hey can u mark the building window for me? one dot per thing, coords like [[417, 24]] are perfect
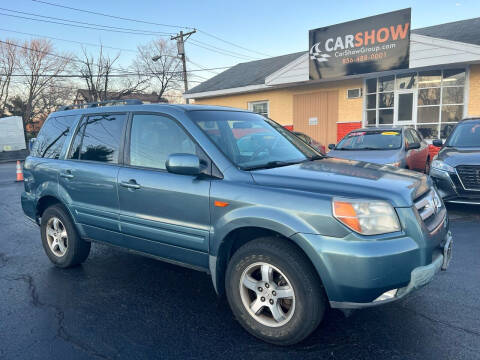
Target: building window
[[431, 101], [259, 107]]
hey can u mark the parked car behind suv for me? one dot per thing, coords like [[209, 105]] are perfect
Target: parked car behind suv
[[282, 230], [396, 146], [456, 168]]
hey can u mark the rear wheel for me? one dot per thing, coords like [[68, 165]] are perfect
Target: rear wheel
[[274, 291], [60, 238]]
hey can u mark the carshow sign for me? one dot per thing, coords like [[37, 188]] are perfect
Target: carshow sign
[[372, 44]]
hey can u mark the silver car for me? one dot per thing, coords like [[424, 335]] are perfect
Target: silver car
[[395, 146]]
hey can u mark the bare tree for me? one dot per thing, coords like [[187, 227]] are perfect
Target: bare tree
[[102, 78], [8, 63], [165, 72], [40, 67]]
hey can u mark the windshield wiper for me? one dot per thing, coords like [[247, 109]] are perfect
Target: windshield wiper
[[271, 164], [315, 157]]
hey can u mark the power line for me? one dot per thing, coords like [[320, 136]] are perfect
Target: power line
[[67, 40], [78, 26], [112, 16], [218, 52], [86, 23], [76, 60], [233, 53], [154, 23], [231, 43]]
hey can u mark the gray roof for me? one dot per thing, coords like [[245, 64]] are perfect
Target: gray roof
[[467, 31], [245, 74], [255, 72]]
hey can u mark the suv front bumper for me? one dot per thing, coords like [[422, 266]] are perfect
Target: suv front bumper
[[451, 189], [420, 277], [358, 271]]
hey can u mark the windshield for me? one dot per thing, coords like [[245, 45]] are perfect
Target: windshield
[[466, 134], [371, 140], [252, 141]]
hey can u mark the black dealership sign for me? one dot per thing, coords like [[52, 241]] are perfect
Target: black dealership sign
[[376, 43]]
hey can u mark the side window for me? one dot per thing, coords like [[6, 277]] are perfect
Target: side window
[[416, 136], [154, 137], [409, 137], [98, 138], [52, 136]]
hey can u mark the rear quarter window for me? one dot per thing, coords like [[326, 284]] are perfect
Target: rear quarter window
[[51, 138]]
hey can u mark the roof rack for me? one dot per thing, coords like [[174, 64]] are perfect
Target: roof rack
[[100, 103]]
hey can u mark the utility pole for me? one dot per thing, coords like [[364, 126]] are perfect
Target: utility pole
[[181, 38]]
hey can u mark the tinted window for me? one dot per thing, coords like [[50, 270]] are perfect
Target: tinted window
[[409, 136], [52, 136], [154, 138], [99, 138], [371, 140], [466, 134]]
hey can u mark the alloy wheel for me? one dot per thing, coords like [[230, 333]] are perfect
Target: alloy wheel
[[57, 237], [267, 294]]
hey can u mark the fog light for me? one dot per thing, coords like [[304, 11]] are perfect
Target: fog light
[[387, 295]]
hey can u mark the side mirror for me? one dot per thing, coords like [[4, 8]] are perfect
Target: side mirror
[[437, 142], [31, 142], [331, 146], [183, 164], [412, 146]]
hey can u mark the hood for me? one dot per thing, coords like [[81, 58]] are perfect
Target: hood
[[460, 156], [348, 178], [374, 156]]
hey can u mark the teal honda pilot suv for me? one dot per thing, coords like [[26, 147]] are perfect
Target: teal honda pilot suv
[[284, 231]]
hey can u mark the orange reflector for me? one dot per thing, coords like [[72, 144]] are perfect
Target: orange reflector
[[220, 203], [345, 212]]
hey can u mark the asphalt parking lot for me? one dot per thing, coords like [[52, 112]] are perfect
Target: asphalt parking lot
[[122, 306]]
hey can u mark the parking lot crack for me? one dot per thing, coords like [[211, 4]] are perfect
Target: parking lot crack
[[62, 333], [469, 331]]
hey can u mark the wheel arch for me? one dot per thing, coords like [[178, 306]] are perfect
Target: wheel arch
[[238, 237]]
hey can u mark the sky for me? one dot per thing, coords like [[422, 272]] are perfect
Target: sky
[[258, 29]]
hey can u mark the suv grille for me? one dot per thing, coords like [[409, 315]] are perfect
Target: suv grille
[[469, 176]]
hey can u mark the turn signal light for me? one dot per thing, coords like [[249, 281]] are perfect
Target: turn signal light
[[346, 213], [220, 203]]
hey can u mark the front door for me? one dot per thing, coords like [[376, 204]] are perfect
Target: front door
[[161, 213], [405, 101]]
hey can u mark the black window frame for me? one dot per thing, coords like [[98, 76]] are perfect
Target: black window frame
[[211, 168], [121, 145]]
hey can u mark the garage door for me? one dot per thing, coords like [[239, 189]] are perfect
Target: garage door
[[316, 115]]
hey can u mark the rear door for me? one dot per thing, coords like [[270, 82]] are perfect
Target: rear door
[[88, 178], [161, 213]]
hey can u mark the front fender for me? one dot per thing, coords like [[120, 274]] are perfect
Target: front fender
[[260, 217]]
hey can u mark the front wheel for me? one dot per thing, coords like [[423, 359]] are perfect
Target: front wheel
[[274, 291]]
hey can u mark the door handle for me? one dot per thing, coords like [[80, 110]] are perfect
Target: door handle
[[132, 184], [67, 174]]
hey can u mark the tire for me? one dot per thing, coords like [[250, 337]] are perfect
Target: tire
[[301, 313], [63, 245]]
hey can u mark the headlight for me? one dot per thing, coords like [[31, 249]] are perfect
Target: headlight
[[440, 165], [367, 217]]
